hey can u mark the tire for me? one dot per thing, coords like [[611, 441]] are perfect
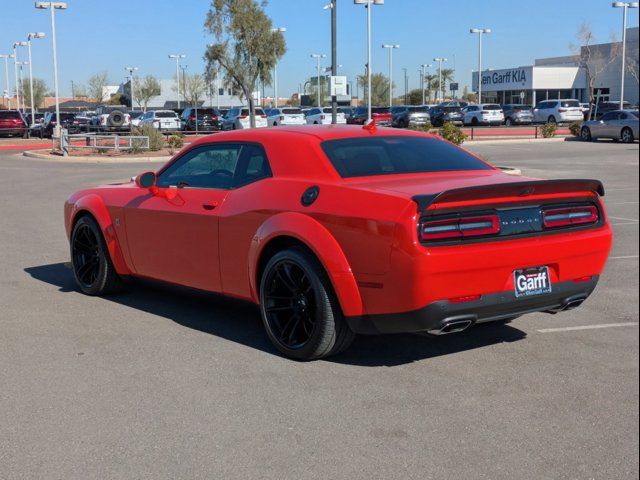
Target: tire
[[116, 119], [508, 122], [93, 270], [627, 135], [551, 119], [585, 134], [299, 308], [475, 122]]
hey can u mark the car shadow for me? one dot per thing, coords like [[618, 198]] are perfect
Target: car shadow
[[239, 322]]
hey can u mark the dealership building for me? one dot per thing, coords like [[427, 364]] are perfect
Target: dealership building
[[562, 77]]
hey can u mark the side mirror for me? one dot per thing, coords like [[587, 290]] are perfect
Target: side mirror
[[146, 180]]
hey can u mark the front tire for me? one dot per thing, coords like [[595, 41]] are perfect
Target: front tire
[[551, 119], [299, 309], [585, 134], [93, 270]]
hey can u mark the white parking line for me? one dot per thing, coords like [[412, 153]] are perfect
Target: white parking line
[[623, 257], [588, 327], [621, 189], [624, 203], [624, 219], [621, 224]]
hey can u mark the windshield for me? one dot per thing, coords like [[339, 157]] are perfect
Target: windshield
[[491, 107], [570, 104], [361, 157], [166, 114], [291, 111]]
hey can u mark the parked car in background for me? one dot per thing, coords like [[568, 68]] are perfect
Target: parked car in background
[[239, 119], [441, 115], [412, 116], [348, 111], [39, 117], [285, 116], [163, 120], [205, 118], [67, 121], [323, 116], [483, 114], [617, 125], [517, 114], [558, 111], [111, 118], [381, 115], [603, 108], [12, 123], [136, 117]]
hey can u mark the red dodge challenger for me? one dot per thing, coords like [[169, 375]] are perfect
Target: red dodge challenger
[[337, 231]]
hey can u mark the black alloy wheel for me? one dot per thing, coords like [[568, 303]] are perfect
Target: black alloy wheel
[[300, 312], [585, 134]]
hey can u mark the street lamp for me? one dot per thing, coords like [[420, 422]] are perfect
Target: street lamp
[[625, 6], [391, 48], [368, 4], [16, 62], [20, 69], [177, 58], [440, 62], [131, 70], [424, 67], [480, 32], [318, 57], [334, 56], [6, 57], [29, 37], [275, 68], [52, 6]]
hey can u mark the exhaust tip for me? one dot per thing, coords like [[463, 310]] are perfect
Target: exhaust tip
[[456, 325]]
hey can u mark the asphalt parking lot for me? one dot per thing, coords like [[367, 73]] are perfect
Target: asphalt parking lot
[[158, 383]]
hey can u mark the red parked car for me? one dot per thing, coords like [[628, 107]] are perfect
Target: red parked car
[[382, 116], [12, 123], [335, 231]]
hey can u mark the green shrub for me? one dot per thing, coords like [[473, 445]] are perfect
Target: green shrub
[[156, 138], [549, 130], [175, 142], [453, 133], [575, 128]]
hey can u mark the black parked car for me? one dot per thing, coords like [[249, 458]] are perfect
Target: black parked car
[[208, 119], [443, 114], [67, 120]]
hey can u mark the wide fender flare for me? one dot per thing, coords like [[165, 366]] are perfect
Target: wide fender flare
[[326, 248], [95, 206]]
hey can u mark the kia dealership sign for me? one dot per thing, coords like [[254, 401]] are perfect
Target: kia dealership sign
[[508, 79], [531, 78]]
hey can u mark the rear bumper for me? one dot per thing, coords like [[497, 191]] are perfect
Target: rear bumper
[[488, 308]]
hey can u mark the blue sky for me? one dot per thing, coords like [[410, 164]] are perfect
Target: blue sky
[[101, 35]]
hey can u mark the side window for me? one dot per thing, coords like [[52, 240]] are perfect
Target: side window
[[252, 166], [210, 166], [610, 116]]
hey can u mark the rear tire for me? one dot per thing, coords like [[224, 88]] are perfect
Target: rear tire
[[93, 269], [475, 122], [508, 122], [551, 119], [585, 134], [627, 135], [299, 309]]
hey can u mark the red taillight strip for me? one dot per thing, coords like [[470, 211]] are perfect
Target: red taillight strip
[[460, 227], [565, 217]]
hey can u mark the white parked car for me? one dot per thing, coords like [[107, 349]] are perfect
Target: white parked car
[[484, 114], [164, 120], [239, 119], [558, 111], [285, 116], [322, 116]]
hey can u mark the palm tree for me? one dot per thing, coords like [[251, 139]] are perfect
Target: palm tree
[[447, 77]]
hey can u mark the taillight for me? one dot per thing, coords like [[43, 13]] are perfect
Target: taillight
[[323, 117], [242, 117], [562, 110], [569, 216], [192, 116], [458, 228]]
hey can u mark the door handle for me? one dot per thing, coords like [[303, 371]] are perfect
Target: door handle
[[210, 206]]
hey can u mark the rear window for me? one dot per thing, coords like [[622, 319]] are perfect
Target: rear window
[[291, 111], [491, 107], [8, 115], [380, 110], [418, 109], [570, 104], [166, 114], [362, 157]]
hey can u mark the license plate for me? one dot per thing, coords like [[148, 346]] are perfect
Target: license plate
[[532, 281]]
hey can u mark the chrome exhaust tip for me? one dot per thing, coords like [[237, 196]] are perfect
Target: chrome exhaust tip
[[453, 326]]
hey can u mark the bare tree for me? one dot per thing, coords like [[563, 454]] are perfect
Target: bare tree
[[594, 59], [632, 68], [193, 87], [145, 90], [96, 86]]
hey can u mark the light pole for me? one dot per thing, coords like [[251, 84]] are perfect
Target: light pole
[[391, 48], [318, 57], [52, 6], [131, 70], [280, 30], [440, 62], [480, 32], [625, 6], [406, 85], [424, 67], [177, 58], [16, 62], [6, 57], [334, 56], [21, 70], [368, 4], [29, 37]]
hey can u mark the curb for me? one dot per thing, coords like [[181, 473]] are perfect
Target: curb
[[58, 158], [511, 141]]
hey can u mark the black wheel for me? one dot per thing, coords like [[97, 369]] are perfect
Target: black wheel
[[474, 121], [627, 135], [585, 134], [551, 119], [92, 267], [299, 309], [508, 122]]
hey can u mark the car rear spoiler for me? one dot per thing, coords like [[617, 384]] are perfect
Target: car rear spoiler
[[514, 189]]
